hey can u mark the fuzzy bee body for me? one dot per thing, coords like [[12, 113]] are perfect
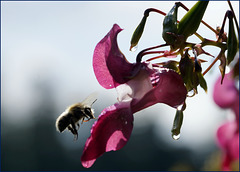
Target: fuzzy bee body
[[70, 118]]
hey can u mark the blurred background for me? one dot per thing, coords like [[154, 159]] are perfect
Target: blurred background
[[46, 65]]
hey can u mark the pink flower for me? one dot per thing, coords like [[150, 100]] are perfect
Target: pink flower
[[227, 96], [139, 85]]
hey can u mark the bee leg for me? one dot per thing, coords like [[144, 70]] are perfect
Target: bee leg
[[86, 116], [74, 130], [78, 126], [76, 136], [82, 120], [71, 129], [87, 119]]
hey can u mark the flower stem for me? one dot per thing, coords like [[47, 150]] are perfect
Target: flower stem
[[164, 55], [147, 11], [209, 67], [215, 60], [143, 52], [221, 45]]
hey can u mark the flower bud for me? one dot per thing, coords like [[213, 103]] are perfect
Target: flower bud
[[197, 66], [177, 124], [202, 81], [138, 32], [199, 76], [186, 67], [232, 42], [190, 22], [170, 25], [223, 63]]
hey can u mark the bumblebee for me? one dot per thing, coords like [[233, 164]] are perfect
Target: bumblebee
[[70, 118]]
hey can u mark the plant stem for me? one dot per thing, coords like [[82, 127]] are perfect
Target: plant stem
[[147, 11], [234, 16], [215, 60], [143, 52]]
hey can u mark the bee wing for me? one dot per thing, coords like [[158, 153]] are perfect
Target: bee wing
[[90, 99]]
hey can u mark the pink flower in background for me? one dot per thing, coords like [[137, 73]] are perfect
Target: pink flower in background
[[227, 96], [139, 85]]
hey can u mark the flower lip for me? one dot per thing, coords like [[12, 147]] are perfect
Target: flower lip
[[110, 133], [169, 89]]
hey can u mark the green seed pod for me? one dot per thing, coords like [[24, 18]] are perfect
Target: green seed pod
[[190, 22], [223, 63], [202, 81], [199, 76], [232, 42], [170, 25], [186, 67], [177, 124], [197, 65], [138, 32]]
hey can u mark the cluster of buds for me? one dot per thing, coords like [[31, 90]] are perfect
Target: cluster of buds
[[143, 84], [175, 34]]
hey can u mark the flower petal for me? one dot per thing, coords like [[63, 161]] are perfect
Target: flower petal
[[228, 140], [110, 66], [138, 86], [226, 94], [234, 147], [110, 133], [169, 89], [225, 133]]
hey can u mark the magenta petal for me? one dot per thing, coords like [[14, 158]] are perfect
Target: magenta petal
[[226, 94], [110, 66], [234, 147], [226, 162], [169, 89], [135, 88], [228, 140], [110, 133], [225, 133]]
